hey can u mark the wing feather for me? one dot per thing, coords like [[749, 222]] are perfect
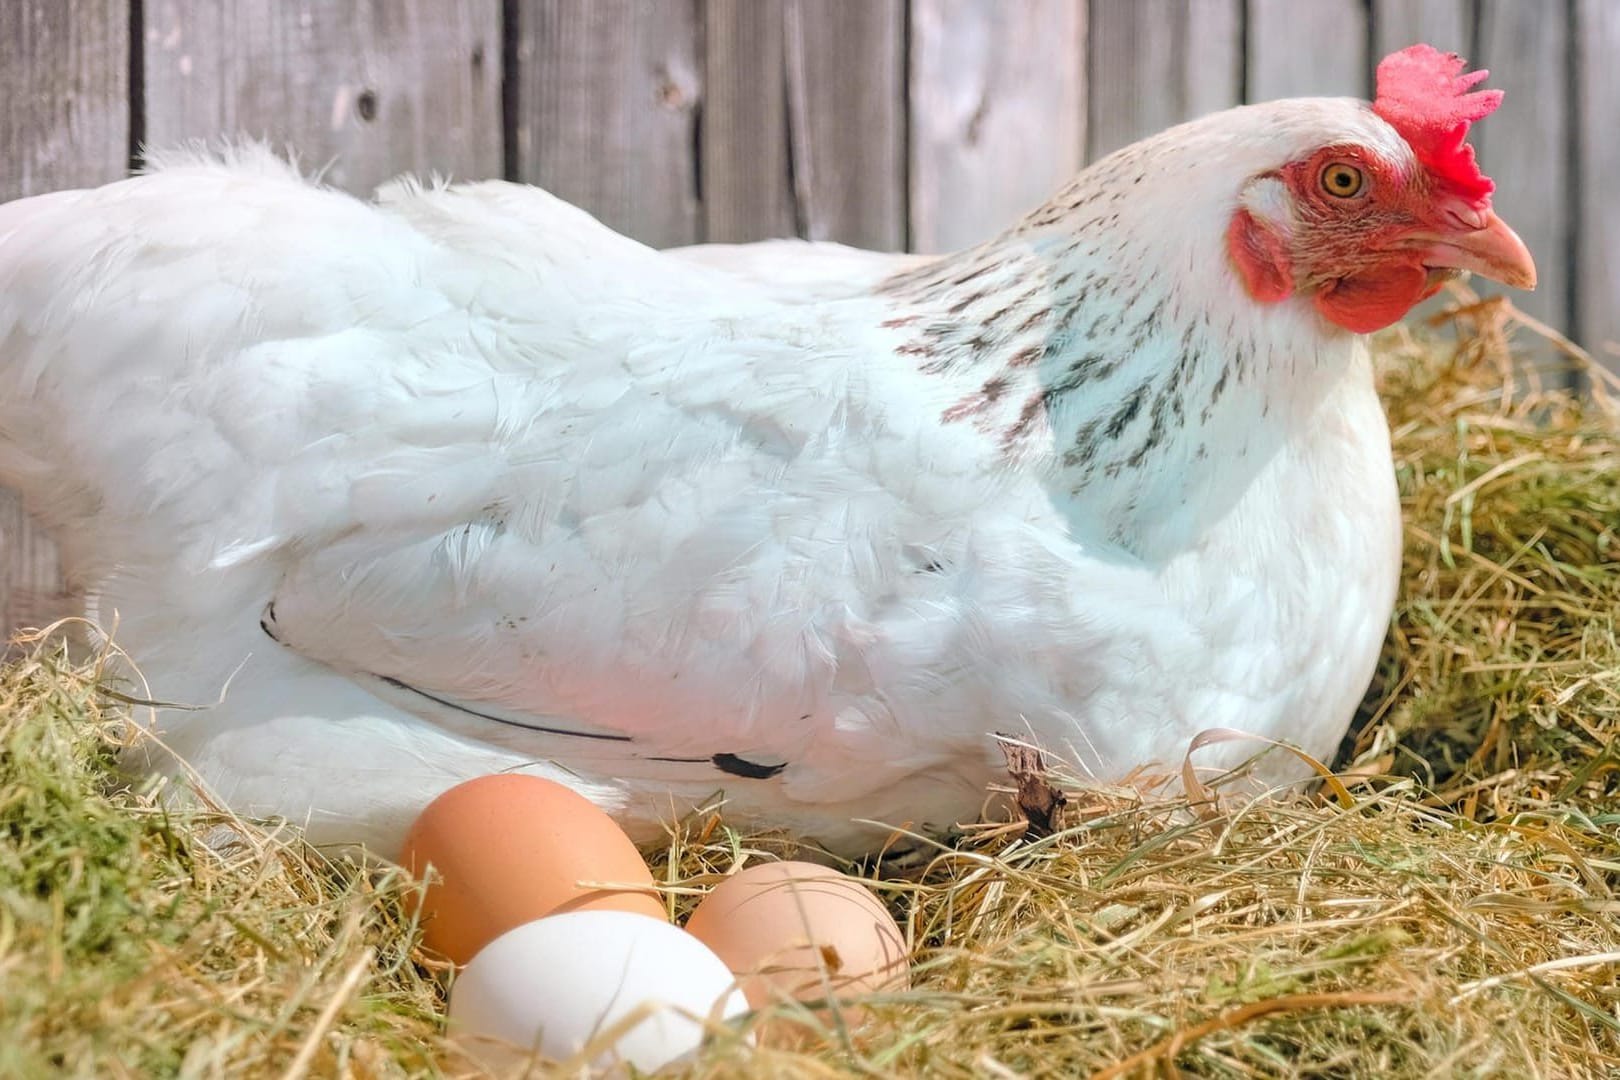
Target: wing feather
[[541, 485]]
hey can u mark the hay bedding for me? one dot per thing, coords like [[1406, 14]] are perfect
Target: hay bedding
[[1458, 918]]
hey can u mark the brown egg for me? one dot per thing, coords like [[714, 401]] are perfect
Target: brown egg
[[509, 849], [793, 929]]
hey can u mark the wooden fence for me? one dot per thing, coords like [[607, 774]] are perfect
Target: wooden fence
[[886, 123]]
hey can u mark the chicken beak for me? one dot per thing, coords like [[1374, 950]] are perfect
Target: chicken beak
[[1493, 250]]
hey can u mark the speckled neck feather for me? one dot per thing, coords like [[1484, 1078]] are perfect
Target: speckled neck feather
[[1075, 341]]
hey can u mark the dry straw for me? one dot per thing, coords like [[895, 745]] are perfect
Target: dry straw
[[1458, 918]]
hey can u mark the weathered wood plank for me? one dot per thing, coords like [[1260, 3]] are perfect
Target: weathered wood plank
[[607, 110], [1524, 146], [375, 88], [64, 82], [1597, 286], [803, 122], [1155, 63], [846, 113], [746, 163], [997, 114], [64, 122], [1445, 24], [1315, 49]]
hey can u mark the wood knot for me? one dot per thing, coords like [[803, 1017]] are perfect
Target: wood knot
[[674, 92]]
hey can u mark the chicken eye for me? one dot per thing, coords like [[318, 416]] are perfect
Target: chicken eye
[[1342, 181]]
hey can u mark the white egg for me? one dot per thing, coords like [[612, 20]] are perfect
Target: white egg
[[559, 984]]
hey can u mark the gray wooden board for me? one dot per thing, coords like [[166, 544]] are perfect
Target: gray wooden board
[[608, 100], [998, 113], [746, 165], [64, 123], [365, 90], [1523, 146], [1597, 283], [1445, 24], [803, 123], [1155, 63], [847, 130], [1307, 49], [65, 93]]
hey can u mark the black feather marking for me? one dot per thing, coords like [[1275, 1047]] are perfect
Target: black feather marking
[[1085, 445], [599, 736], [973, 272], [737, 766], [1127, 412], [1215, 394], [267, 623]]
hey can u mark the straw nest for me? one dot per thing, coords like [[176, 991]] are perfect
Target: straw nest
[[1450, 911]]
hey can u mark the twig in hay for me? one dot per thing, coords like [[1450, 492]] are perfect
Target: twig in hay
[[1203, 800], [1562, 963], [1041, 803], [1166, 1049], [299, 1066]]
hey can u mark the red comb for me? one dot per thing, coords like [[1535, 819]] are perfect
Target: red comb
[[1424, 95]]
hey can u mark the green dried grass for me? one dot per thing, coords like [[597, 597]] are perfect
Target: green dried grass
[[142, 941], [1460, 919]]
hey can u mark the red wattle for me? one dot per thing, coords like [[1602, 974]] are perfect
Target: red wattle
[[1373, 301]]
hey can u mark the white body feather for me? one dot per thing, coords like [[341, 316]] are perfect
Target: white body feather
[[482, 467]]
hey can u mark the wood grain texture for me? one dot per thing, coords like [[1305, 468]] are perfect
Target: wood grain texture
[[608, 100], [846, 119], [367, 90], [64, 122], [1524, 145], [746, 161], [998, 114], [1307, 49], [64, 94], [1445, 24], [1597, 243], [1155, 63], [803, 121]]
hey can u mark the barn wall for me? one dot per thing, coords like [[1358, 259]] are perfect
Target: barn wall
[[924, 124]]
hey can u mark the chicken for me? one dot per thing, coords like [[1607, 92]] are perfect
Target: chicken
[[394, 494]]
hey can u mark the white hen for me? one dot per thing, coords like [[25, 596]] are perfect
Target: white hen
[[463, 481]]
